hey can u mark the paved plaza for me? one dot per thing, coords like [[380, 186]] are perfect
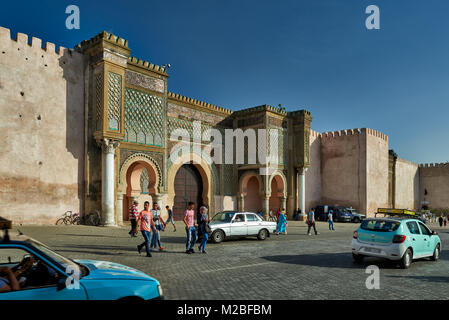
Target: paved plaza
[[293, 266]]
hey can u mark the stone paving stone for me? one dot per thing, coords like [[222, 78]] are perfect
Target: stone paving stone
[[293, 266]]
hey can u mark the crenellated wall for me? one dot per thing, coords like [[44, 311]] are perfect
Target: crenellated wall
[[42, 121], [435, 179]]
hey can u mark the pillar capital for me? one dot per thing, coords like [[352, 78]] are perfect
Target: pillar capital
[[108, 145]]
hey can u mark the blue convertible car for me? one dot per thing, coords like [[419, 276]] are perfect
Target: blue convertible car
[[42, 274]]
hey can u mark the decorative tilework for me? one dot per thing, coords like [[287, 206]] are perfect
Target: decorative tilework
[[228, 179], [98, 101], [114, 100], [144, 118], [144, 181]]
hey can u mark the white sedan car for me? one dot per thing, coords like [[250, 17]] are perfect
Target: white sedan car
[[240, 224]]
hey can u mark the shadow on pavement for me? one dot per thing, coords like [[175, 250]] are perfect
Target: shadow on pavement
[[331, 260], [436, 279]]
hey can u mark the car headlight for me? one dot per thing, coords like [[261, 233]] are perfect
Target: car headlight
[[159, 289]]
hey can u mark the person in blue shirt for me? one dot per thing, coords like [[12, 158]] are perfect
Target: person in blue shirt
[[282, 223]]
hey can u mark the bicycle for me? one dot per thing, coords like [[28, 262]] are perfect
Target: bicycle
[[68, 218]]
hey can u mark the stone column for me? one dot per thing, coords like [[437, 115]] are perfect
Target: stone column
[[107, 186], [119, 209], [284, 203], [157, 198], [242, 202], [301, 192], [266, 206]]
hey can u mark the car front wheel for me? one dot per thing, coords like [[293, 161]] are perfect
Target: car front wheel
[[436, 253], [406, 260], [218, 236]]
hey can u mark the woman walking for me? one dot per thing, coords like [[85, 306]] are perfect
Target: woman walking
[[204, 220], [282, 223]]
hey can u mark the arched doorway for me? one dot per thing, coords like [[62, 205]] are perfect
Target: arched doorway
[[188, 187], [253, 200], [278, 193], [139, 178]]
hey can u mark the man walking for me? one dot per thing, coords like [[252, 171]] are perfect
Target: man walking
[[204, 220], [311, 222], [330, 219], [158, 226], [170, 217], [189, 217], [146, 224], [133, 215]]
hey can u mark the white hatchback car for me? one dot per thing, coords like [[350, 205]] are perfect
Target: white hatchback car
[[240, 224]]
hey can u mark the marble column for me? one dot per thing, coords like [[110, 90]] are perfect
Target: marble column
[[284, 203], [266, 207], [107, 186], [119, 209], [242, 202]]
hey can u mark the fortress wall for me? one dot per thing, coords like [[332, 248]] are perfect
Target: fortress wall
[[42, 121], [435, 179], [407, 185], [313, 173], [343, 168], [376, 171]]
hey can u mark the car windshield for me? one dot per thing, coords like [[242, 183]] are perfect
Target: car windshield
[[65, 263], [223, 217], [380, 225]]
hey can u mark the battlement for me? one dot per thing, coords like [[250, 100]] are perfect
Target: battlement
[[435, 165], [353, 132], [22, 41], [202, 104], [341, 133], [147, 65], [314, 134], [264, 107], [106, 36]]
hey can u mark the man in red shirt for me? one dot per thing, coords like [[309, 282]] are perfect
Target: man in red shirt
[[146, 223], [189, 221]]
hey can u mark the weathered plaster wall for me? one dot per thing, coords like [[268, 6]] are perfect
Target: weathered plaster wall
[[435, 179], [42, 121], [376, 171], [313, 173], [407, 185], [343, 165]]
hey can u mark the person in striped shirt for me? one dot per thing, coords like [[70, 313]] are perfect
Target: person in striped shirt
[[133, 215]]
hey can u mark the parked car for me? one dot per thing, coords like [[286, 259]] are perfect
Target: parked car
[[396, 239], [229, 224], [340, 213], [355, 216], [51, 276]]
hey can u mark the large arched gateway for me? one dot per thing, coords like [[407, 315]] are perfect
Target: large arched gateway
[[188, 187]]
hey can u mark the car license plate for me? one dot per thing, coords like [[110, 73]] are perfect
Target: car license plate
[[373, 250]]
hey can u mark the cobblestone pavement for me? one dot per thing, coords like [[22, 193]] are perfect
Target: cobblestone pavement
[[293, 266]]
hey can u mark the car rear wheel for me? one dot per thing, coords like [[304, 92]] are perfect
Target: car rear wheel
[[218, 236], [262, 234], [436, 253], [406, 260], [357, 258]]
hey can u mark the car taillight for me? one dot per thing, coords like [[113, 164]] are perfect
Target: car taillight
[[399, 238], [355, 234]]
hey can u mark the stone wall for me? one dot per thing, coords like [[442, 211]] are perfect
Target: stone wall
[[407, 185], [376, 171], [343, 168], [435, 179], [313, 173], [42, 107]]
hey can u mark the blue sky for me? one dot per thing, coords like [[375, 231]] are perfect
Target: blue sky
[[313, 54]]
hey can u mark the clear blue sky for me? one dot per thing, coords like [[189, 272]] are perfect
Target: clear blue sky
[[313, 54]]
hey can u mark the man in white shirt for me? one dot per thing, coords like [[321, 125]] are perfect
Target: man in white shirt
[[311, 222], [330, 219]]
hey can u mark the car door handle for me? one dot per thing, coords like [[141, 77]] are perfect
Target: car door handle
[[413, 239]]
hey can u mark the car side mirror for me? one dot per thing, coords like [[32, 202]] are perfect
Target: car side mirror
[[434, 233], [61, 284]]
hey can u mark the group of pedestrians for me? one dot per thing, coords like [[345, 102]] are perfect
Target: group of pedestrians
[[151, 225], [442, 220]]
